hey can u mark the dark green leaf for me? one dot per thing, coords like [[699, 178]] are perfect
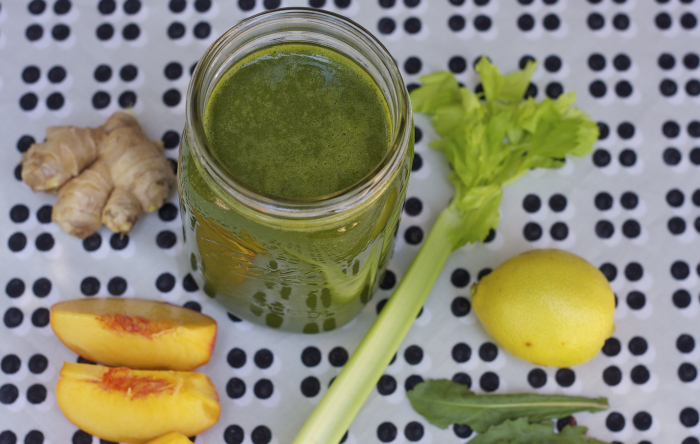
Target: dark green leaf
[[520, 431], [443, 402]]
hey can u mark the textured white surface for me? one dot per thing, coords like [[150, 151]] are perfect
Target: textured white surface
[[659, 322]]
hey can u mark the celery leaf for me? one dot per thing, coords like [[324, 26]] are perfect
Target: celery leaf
[[492, 138]]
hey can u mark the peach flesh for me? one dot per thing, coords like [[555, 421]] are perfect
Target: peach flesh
[[135, 333], [136, 406]]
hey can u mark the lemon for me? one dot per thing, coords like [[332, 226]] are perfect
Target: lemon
[[548, 307]]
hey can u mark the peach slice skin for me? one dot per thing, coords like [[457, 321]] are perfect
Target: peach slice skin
[[171, 438], [136, 406], [135, 333]]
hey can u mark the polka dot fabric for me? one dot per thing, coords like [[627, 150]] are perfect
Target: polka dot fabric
[[632, 209]]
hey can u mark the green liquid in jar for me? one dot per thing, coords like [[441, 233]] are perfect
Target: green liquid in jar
[[297, 122]]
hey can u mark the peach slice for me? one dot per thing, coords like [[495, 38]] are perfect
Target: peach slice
[[136, 406], [171, 438], [135, 333]]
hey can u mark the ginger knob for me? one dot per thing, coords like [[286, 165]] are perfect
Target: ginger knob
[[107, 175]]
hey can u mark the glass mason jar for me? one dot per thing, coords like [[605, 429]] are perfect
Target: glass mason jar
[[301, 266]]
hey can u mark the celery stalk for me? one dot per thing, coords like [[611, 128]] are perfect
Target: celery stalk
[[343, 400], [490, 140]]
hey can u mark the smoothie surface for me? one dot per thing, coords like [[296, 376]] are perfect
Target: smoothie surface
[[297, 122]]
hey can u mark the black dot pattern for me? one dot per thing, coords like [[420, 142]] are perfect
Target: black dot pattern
[[311, 357], [615, 422], [460, 306], [235, 388], [488, 351], [638, 345], [311, 386], [81, 437], [338, 357], [34, 437], [537, 378], [38, 363], [463, 379], [461, 352], [632, 208], [462, 430], [412, 381], [8, 393], [263, 389], [489, 382], [236, 358], [165, 282], [10, 364], [233, 434], [681, 298], [386, 432], [263, 358], [188, 284], [565, 377], [685, 343], [689, 417], [687, 372], [36, 394], [261, 435], [640, 374], [414, 431], [117, 286], [413, 355]]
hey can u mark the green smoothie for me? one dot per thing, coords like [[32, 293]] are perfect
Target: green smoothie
[[297, 122]]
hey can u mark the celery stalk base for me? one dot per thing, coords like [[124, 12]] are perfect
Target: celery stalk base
[[343, 400]]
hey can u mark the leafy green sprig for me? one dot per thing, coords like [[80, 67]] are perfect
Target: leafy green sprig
[[443, 402], [492, 138], [519, 418]]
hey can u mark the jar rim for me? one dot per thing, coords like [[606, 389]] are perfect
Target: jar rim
[[214, 61]]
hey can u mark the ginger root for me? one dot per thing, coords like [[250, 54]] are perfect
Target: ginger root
[[106, 175]]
